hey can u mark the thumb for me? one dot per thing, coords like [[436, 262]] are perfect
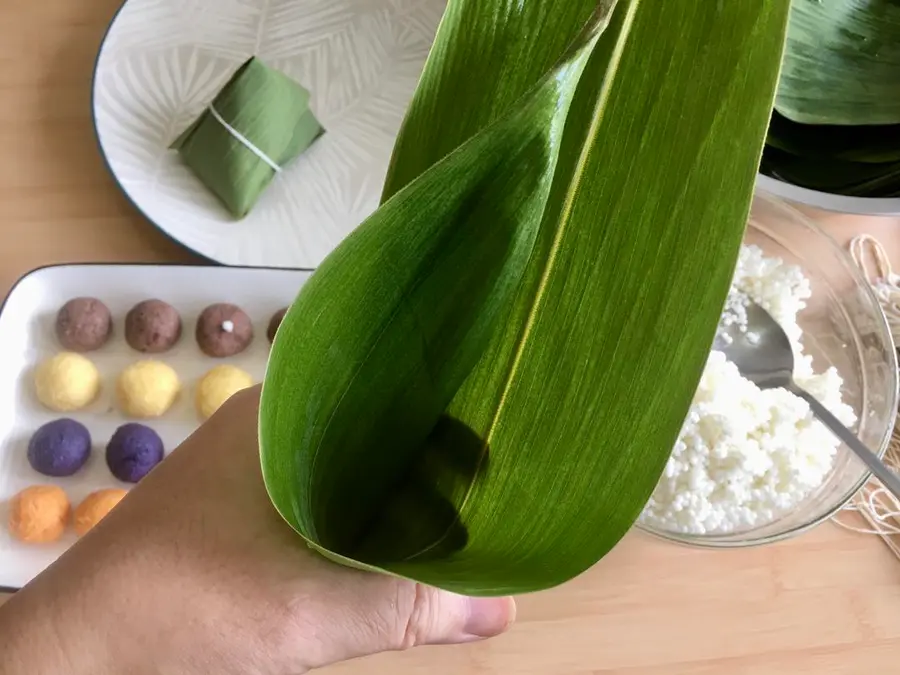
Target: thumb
[[433, 617], [368, 614]]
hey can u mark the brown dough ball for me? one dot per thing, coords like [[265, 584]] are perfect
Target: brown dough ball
[[224, 330], [152, 327], [83, 325], [38, 514], [95, 507], [274, 323]]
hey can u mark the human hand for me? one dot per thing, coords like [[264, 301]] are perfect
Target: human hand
[[195, 572]]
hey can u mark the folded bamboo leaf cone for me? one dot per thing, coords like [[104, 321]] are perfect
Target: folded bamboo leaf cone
[[257, 124]]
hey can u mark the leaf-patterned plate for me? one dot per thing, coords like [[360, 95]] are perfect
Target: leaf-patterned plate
[[163, 61]]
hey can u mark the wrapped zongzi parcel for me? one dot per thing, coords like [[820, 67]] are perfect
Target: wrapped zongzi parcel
[[257, 124]]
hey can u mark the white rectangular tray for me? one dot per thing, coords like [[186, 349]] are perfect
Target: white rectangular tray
[[27, 336]]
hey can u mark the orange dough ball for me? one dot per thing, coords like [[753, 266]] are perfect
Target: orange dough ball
[[95, 507], [38, 514]]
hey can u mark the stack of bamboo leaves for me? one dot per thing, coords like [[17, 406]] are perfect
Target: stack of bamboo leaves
[[480, 387], [836, 123]]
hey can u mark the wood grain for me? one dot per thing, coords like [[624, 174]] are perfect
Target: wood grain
[[57, 201], [825, 603]]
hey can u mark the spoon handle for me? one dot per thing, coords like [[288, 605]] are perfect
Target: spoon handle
[[887, 477]]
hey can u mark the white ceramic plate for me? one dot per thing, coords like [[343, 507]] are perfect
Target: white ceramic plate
[[27, 337], [163, 61]]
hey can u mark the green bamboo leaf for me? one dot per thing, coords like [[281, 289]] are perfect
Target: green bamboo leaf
[[835, 176], [870, 144], [858, 161], [479, 388], [513, 43], [842, 63], [424, 306]]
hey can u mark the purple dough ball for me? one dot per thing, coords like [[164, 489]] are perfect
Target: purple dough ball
[[59, 448], [133, 451]]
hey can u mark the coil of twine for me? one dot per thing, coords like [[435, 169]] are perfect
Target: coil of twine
[[878, 509]]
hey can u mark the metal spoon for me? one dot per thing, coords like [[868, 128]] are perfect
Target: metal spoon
[[764, 356]]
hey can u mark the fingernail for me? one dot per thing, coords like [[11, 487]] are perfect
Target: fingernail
[[489, 616]]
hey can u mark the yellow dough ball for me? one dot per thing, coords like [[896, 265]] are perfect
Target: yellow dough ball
[[38, 515], [67, 382], [147, 389], [217, 386], [95, 507]]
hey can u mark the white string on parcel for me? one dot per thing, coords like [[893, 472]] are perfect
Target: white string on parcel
[[244, 140]]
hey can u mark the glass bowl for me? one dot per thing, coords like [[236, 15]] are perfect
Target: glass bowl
[[843, 326]]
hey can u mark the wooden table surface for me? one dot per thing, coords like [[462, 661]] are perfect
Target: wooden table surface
[[827, 602]]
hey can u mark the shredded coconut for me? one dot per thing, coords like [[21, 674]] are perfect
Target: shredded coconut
[[745, 456]]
